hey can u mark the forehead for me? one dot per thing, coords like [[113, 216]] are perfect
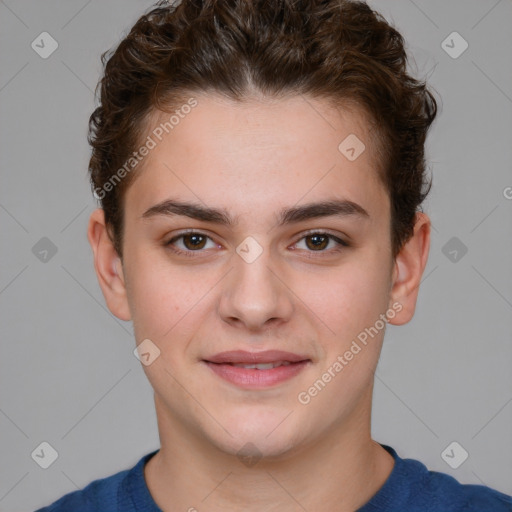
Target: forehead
[[264, 122], [259, 151]]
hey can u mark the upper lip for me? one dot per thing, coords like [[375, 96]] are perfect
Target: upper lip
[[267, 356]]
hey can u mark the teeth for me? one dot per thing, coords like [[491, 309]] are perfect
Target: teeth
[[262, 366]]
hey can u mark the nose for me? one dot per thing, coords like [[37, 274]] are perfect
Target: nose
[[255, 295]]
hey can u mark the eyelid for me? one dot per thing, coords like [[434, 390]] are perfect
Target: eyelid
[[189, 231], [338, 239], [319, 231]]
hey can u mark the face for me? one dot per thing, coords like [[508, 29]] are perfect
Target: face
[[273, 250]]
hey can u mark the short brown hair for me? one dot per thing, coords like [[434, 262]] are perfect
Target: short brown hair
[[339, 50]]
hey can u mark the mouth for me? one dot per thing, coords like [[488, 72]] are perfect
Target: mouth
[[257, 370], [261, 366]]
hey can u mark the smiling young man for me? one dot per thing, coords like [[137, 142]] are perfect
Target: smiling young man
[[260, 167]]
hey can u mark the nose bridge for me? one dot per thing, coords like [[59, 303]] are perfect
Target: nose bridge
[[253, 294]]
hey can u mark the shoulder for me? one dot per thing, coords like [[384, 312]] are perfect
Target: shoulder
[[453, 495], [436, 491], [113, 493], [100, 492], [413, 487]]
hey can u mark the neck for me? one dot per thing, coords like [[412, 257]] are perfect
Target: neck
[[341, 471]]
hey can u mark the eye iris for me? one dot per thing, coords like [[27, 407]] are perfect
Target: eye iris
[[317, 244], [197, 241]]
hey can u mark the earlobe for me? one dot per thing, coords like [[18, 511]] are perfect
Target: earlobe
[[409, 266], [108, 266]]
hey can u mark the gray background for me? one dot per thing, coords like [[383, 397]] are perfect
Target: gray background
[[68, 375]]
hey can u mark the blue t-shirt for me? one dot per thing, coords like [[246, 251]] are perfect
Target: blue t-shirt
[[410, 487]]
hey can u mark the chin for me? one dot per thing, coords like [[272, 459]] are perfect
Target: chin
[[259, 434]]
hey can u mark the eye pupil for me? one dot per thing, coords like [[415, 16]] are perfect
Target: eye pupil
[[197, 241], [319, 241]]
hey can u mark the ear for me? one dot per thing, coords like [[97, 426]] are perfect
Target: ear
[[108, 266], [409, 265]]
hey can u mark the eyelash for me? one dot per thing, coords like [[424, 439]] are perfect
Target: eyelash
[[189, 253]]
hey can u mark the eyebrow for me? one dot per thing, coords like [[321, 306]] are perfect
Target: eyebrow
[[340, 208]]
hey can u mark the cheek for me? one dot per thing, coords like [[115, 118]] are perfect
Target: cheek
[[159, 295], [347, 300], [168, 301]]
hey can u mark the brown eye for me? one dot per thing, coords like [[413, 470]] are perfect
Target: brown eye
[[317, 242], [322, 243], [191, 243], [194, 241]]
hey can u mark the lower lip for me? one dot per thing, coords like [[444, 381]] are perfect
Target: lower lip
[[252, 378]]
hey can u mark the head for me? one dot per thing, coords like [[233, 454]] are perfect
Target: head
[[260, 168]]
